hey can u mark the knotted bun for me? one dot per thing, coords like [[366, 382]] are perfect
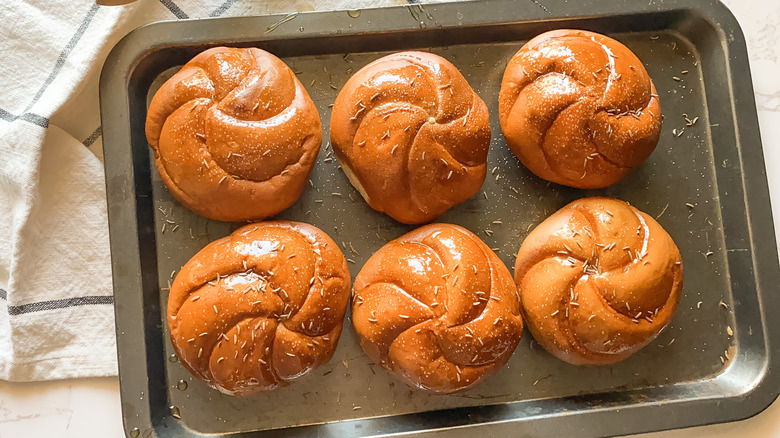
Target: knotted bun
[[411, 135], [578, 108], [598, 281], [438, 308], [234, 134], [259, 308]]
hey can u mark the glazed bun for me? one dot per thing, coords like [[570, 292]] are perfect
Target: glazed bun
[[411, 135], [578, 108], [438, 308], [234, 134], [259, 308], [598, 281]]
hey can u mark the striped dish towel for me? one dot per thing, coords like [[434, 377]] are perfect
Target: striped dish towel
[[56, 303]]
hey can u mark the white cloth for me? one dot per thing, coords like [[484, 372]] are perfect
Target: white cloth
[[56, 304], [56, 318]]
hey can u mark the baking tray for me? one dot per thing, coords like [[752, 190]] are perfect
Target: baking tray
[[715, 361]]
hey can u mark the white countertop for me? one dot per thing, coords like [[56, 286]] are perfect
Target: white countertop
[[91, 407]]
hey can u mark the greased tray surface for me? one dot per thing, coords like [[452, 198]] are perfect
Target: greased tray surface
[[705, 183]]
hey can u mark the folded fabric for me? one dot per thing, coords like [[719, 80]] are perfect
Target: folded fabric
[[56, 303], [56, 315]]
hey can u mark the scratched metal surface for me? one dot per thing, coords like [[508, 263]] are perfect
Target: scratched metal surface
[[678, 185]]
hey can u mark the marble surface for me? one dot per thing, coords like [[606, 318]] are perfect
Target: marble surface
[[91, 407]]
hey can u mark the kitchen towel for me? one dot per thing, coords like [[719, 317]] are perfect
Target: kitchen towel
[[56, 302]]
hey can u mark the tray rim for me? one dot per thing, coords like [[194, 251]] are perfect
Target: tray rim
[[125, 57]]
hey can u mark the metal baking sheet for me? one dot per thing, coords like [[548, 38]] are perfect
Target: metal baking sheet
[[714, 363]]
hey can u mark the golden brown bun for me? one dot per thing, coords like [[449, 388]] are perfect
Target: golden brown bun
[[598, 281], [411, 135], [234, 134], [438, 308], [578, 108], [259, 308]]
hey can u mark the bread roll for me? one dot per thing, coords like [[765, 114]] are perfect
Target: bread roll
[[598, 281], [578, 108], [259, 308], [411, 135], [234, 134], [438, 308]]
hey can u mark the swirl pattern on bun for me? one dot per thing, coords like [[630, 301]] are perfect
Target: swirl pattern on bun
[[411, 135], [259, 308], [598, 281], [579, 109], [234, 134], [437, 308]]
